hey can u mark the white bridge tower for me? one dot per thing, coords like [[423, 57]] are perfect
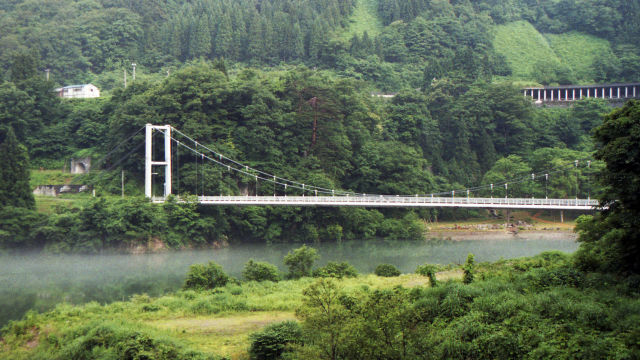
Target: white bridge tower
[[148, 159]]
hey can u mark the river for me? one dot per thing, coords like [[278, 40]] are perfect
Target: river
[[39, 281]]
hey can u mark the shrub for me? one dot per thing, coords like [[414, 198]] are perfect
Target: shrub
[[260, 271], [429, 271], [336, 270], [108, 340], [469, 270], [270, 342], [205, 276], [386, 270], [300, 261]]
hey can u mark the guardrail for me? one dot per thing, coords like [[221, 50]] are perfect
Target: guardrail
[[396, 201]]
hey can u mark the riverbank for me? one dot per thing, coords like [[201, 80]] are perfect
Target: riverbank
[[478, 235], [519, 301]]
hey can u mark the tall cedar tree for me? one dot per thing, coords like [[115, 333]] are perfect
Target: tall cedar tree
[[14, 173]]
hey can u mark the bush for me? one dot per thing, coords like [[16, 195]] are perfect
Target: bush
[[260, 271], [336, 270], [100, 340], [387, 270], [205, 276], [469, 270], [300, 261], [429, 271], [270, 343]]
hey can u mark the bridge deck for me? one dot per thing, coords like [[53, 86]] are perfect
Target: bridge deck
[[397, 201]]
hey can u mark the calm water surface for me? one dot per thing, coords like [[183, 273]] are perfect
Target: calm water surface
[[37, 281]]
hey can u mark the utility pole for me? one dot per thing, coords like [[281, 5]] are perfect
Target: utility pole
[[125, 78], [47, 72], [134, 71], [122, 183]]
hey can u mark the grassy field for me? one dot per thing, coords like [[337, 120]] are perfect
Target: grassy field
[[365, 18], [50, 177], [216, 322], [578, 51], [522, 46]]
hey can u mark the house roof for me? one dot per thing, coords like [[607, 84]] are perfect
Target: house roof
[[74, 87]]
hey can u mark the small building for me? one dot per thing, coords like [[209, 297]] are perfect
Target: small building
[[78, 91]]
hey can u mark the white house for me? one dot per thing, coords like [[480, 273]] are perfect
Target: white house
[[78, 91]]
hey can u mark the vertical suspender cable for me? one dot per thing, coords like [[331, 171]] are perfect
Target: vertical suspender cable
[[588, 180], [577, 179], [178, 168], [196, 153], [202, 174], [546, 185]]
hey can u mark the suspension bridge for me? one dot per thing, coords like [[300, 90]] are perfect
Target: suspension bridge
[[309, 195]]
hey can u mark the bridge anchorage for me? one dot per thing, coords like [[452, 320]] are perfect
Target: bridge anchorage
[[318, 196]]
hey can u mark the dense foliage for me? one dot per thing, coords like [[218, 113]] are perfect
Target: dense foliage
[[418, 40], [610, 240], [271, 342], [453, 136], [260, 271], [336, 270], [321, 127], [14, 174], [205, 276], [300, 261], [429, 271], [541, 307], [386, 270], [520, 308]]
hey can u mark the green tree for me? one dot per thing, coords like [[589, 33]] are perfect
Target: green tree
[[429, 271], [260, 271], [610, 241], [469, 269], [323, 319], [205, 276], [271, 342], [387, 270], [14, 173], [511, 169], [200, 41], [300, 261]]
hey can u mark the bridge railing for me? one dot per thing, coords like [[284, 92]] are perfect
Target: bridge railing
[[398, 201]]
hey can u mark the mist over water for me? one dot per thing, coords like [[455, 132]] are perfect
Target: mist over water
[[39, 281]]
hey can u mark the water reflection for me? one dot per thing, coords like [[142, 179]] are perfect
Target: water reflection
[[40, 281]]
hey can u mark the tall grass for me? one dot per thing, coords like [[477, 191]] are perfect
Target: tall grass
[[578, 52], [523, 46], [365, 18]]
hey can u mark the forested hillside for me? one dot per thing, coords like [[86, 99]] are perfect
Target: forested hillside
[[250, 78], [83, 41], [454, 136]]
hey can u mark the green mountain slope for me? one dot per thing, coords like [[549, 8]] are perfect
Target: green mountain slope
[[578, 51], [365, 18], [528, 52], [522, 45]]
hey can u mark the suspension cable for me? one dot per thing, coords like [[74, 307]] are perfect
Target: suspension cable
[[276, 180]]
